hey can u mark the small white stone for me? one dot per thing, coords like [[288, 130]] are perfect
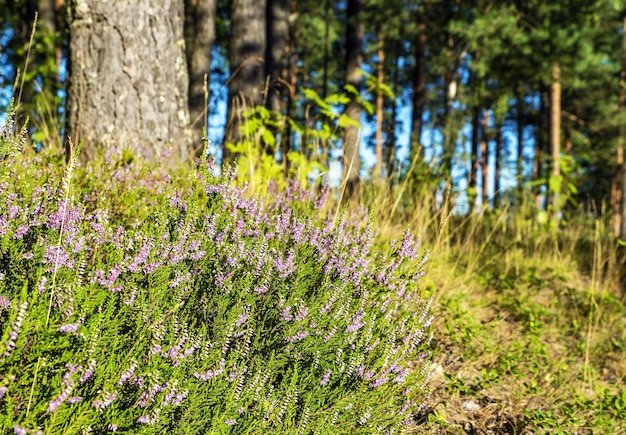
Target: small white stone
[[470, 406]]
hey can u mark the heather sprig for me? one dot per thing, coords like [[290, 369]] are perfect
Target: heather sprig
[[200, 309]]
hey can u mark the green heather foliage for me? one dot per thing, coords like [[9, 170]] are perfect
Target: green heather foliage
[[181, 305]]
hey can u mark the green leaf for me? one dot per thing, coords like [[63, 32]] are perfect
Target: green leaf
[[268, 137]]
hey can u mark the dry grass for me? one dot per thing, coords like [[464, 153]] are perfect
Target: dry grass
[[531, 329]]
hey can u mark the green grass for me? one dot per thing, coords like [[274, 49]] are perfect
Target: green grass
[[531, 322]]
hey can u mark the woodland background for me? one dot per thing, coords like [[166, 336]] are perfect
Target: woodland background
[[496, 98]]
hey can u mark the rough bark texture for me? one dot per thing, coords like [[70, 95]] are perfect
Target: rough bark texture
[[354, 59], [128, 77], [199, 39], [276, 53], [276, 61], [246, 56]]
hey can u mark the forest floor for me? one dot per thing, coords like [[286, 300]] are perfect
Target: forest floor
[[530, 337]]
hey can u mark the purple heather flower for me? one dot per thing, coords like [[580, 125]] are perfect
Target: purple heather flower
[[262, 289], [141, 257], [69, 327], [230, 422], [3, 391], [357, 321], [105, 402], [301, 313], [66, 390], [4, 225], [286, 314], [128, 373], [21, 231], [179, 398], [5, 303], [331, 334], [147, 396], [89, 372], [285, 265], [28, 256], [326, 378], [57, 256], [242, 319], [149, 418], [18, 430], [409, 246], [211, 373], [298, 337], [378, 382]]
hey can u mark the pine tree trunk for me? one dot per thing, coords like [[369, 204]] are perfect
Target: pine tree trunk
[[326, 48], [498, 168], [276, 56], [378, 170], [555, 134], [354, 60], [473, 177], [199, 39], [520, 137], [292, 80], [247, 69], [419, 81], [128, 78], [391, 133], [541, 143], [484, 160], [619, 207]]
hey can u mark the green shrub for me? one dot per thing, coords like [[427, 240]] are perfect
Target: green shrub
[[199, 309]]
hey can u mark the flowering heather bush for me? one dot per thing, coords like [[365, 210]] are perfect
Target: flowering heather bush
[[213, 313]]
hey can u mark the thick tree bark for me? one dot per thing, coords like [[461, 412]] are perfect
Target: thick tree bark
[[128, 77], [246, 57], [199, 39], [555, 133], [354, 60]]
